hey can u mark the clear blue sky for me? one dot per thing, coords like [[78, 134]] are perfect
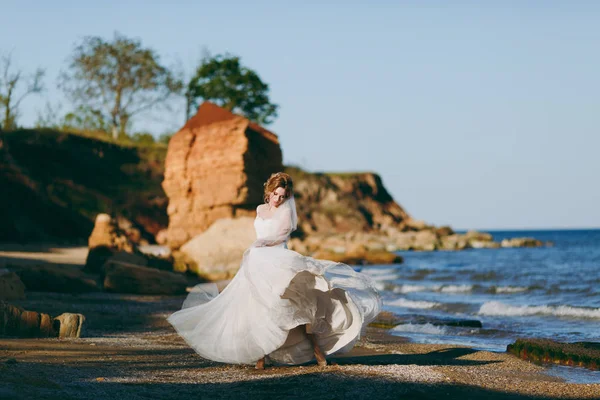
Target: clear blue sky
[[476, 114]]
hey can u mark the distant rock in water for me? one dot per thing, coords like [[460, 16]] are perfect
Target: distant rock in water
[[215, 168]]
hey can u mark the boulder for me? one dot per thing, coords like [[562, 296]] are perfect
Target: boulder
[[215, 168], [106, 233], [483, 244], [426, 241], [217, 253], [579, 354], [480, 236], [454, 242], [521, 242], [121, 277], [11, 286], [69, 325], [109, 241], [57, 278]]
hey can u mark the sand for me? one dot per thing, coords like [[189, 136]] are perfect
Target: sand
[[129, 351]]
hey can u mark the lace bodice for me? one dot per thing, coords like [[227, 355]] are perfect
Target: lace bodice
[[266, 228]]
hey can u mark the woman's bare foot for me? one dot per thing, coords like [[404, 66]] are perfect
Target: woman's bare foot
[[260, 364], [319, 356]]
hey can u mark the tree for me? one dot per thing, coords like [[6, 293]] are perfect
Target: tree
[[225, 82], [80, 119], [11, 94], [117, 80]]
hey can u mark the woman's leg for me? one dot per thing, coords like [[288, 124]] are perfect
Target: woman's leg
[[260, 364], [317, 350]]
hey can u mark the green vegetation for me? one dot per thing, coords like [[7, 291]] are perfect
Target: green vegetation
[[581, 354], [224, 81], [112, 81], [59, 181]]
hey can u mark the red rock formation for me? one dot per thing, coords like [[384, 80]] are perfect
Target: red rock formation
[[215, 168]]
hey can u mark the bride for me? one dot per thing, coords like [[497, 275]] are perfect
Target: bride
[[280, 305]]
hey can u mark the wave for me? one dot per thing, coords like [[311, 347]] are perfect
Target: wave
[[456, 288], [381, 274], [433, 288], [415, 288], [411, 303], [498, 308], [421, 328], [509, 289]]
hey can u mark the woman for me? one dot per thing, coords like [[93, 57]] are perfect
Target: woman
[[281, 304]]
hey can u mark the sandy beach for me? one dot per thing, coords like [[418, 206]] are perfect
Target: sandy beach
[[128, 350]]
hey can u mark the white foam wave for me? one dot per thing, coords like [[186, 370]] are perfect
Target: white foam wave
[[510, 289], [388, 277], [421, 328], [378, 271], [411, 303], [498, 308], [414, 288], [456, 288]]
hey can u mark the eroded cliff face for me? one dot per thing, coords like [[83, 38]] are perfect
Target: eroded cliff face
[[346, 202], [215, 167]]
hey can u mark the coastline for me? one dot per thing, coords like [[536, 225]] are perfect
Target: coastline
[[129, 350]]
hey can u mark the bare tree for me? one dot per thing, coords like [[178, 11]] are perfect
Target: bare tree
[[117, 79], [15, 86]]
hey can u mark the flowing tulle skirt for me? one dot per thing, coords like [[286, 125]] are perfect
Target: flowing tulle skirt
[[264, 308]]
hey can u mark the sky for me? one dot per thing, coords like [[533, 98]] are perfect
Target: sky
[[477, 115]]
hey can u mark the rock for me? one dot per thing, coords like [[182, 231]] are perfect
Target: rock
[[454, 242], [123, 277], [69, 325], [425, 240], [217, 253], [415, 225], [330, 203], [57, 278], [444, 231], [480, 236], [298, 246], [580, 354], [11, 286], [404, 240], [109, 242], [105, 240], [162, 237], [521, 242], [106, 233], [367, 258], [17, 322], [483, 244], [215, 168]]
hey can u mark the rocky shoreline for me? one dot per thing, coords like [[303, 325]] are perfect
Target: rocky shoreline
[[130, 351]]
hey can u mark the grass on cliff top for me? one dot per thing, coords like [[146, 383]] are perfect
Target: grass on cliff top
[[298, 173]]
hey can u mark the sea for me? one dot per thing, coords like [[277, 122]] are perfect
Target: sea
[[547, 292]]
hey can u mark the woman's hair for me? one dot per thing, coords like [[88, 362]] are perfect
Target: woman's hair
[[278, 180]]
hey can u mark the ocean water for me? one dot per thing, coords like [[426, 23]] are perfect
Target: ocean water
[[549, 292]]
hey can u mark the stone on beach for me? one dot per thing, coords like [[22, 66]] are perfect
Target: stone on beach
[[57, 278], [17, 322], [11, 286], [217, 253], [121, 277]]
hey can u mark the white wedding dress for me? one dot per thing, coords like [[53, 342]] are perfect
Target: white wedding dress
[[275, 293]]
